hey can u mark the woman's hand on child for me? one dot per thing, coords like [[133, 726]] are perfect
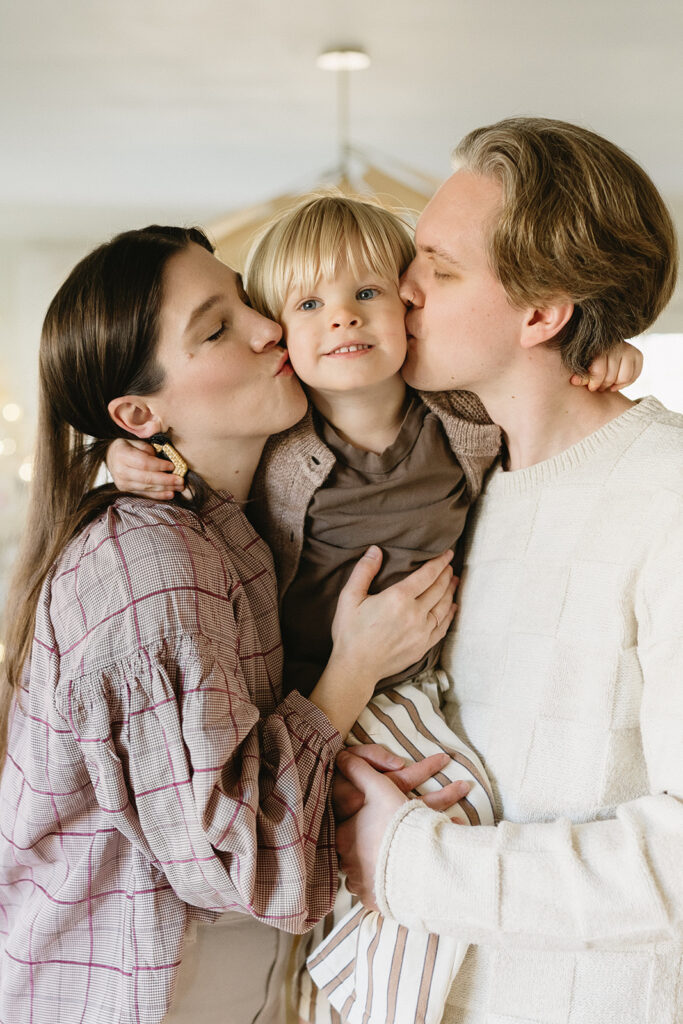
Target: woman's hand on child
[[135, 467], [377, 635], [386, 632], [613, 371]]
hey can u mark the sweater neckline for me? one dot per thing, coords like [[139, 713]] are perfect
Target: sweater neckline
[[619, 430]]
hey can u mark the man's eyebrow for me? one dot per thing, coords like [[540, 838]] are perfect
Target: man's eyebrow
[[434, 250], [203, 308]]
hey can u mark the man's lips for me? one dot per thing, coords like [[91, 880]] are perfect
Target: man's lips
[[409, 325], [284, 366]]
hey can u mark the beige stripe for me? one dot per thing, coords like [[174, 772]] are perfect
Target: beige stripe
[[371, 956], [395, 973], [462, 759], [425, 984], [471, 811], [359, 733], [328, 924], [397, 734], [350, 926], [338, 979], [346, 1008], [410, 748]]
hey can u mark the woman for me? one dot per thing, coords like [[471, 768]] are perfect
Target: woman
[[154, 777]]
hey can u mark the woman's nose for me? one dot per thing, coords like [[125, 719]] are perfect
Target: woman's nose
[[267, 334]]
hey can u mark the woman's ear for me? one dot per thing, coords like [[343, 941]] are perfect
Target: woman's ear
[[543, 324], [133, 414]]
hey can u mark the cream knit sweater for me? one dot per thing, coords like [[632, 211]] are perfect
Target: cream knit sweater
[[567, 672]]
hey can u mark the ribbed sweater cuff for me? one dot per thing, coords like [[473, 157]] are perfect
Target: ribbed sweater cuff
[[381, 871]]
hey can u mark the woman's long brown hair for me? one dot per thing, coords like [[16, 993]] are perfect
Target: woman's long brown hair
[[98, 343]]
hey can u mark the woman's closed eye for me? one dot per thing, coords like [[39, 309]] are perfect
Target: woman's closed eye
[[217, 335]]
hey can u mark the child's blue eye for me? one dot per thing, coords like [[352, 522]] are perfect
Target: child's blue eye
[[310, 304], [367, 293]]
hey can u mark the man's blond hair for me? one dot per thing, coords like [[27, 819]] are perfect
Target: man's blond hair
[[323, 233], [580, 219]]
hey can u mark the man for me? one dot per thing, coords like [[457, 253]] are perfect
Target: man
[[544, 249]]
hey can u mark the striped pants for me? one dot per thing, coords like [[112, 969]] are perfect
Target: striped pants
[[356, 966]]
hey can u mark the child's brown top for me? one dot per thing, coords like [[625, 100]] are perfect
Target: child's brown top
[[319, 503]]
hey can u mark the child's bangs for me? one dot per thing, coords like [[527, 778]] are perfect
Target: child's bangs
[[367, 239], [320, 238]]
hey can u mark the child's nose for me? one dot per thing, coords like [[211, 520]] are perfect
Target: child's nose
[[345, 318]]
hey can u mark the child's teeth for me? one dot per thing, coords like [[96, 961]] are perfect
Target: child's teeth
[[352, 348]]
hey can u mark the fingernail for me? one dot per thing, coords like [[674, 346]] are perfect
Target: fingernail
[[373, 551]]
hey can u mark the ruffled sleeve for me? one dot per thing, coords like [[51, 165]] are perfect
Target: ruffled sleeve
[[231, 806]]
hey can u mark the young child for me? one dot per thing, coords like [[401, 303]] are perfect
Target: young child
[[372, 462]]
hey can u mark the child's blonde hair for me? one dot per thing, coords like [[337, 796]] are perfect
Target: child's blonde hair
[[317, 237]]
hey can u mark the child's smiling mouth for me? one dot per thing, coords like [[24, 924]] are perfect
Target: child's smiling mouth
[[350, 349]]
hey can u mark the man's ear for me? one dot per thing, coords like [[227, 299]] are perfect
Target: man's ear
[[543, 324], [134, 415]]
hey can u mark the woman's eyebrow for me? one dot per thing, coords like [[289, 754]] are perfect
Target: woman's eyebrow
[[203, 308]]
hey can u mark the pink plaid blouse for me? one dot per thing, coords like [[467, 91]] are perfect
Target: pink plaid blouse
[[154, 773]]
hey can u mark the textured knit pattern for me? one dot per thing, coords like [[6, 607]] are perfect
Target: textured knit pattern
[[373, 970], [566, 678], [153, 773]]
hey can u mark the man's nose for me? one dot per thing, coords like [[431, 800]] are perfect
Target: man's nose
[[408, 289]]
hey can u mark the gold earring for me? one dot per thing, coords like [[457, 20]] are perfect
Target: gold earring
[[162, 444]]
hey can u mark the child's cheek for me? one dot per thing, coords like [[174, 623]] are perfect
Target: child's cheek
[[300, 364]]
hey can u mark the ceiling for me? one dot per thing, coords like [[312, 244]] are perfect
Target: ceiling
[[115, 112]]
